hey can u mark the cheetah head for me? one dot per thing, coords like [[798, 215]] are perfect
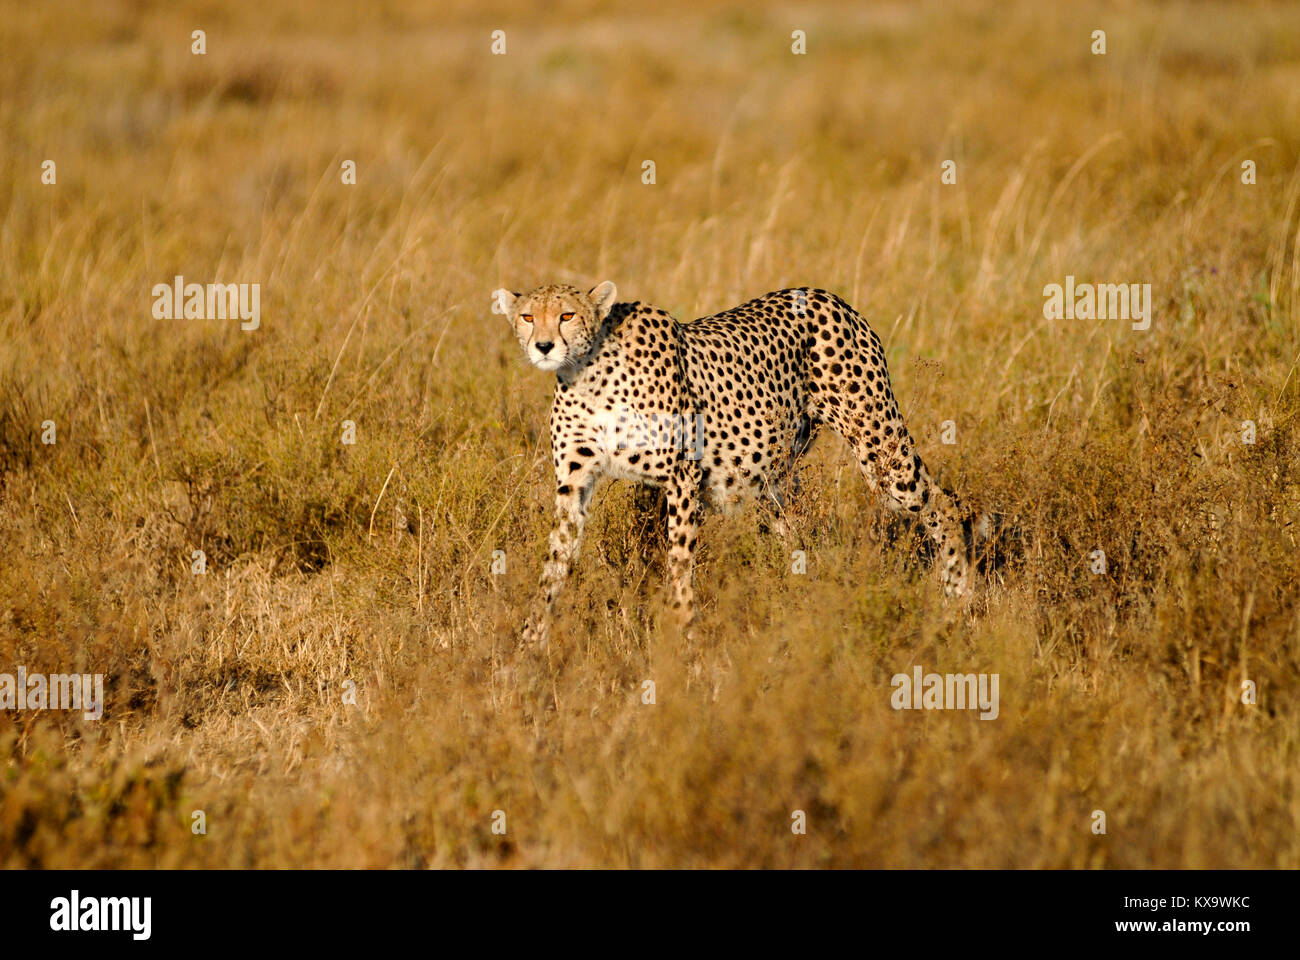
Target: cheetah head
[[556, 324]]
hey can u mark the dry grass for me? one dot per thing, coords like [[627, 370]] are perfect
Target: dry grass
[[225, 691]]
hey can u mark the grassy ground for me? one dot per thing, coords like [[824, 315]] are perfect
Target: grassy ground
[[364, 571]]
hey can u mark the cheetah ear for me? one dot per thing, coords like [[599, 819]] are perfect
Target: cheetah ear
[[602, 298], [503, 301]]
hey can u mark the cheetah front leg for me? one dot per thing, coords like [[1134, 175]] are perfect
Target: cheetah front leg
[[683, 497], [897, 474], [572, 500]]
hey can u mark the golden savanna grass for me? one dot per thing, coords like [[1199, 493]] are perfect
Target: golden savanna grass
[[369, 566]]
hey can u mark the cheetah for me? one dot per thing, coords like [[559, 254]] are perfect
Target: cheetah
[[715, 411]]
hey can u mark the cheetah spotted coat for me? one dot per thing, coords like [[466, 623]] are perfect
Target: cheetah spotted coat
[[716, 412]]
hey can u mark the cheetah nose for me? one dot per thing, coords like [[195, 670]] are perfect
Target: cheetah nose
[[544, 346]]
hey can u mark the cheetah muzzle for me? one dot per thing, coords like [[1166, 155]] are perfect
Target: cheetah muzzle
[[715, 412]]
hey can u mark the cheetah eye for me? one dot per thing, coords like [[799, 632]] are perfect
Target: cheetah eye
[[564, 317], [526, 317]]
